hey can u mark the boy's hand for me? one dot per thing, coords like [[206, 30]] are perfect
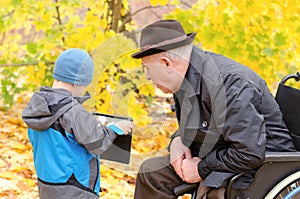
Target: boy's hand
[[122, 127], [125, 125]]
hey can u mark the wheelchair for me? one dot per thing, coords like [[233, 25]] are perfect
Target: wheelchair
[[279, 175]]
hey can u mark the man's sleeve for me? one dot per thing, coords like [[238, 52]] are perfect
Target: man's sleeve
[[243, 127]]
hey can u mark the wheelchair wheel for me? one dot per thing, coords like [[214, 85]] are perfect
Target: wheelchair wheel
[[288, 188]]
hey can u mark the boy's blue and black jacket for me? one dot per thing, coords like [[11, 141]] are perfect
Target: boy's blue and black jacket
[[66, 140]]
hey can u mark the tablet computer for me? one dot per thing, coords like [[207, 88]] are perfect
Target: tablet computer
[[121, 146]]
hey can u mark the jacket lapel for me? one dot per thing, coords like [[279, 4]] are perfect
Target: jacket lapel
[[186, 108]]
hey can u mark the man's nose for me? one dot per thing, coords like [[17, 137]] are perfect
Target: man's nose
[[148, 76]]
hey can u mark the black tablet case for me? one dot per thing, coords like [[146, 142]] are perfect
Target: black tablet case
[[121, 147]]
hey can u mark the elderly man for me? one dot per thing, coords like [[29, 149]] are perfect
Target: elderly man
[[226, 114]]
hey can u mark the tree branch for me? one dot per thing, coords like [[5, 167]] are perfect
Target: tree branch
[[59, 20], [8, 14], [129, 17], [116, 15], [186, 4], [24, 64]]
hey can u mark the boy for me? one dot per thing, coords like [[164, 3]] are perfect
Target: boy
[[65, 137]]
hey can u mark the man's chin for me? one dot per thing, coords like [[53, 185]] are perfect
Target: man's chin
[[164, 89]]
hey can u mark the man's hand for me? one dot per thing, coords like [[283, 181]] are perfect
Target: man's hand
[[190, 170], [178, 152]]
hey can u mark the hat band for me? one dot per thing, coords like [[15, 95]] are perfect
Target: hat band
[[164, 42]]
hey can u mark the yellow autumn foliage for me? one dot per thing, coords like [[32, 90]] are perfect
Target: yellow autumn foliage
[[263, 35]]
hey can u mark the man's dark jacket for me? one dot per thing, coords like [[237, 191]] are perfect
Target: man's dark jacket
[[227, 117]]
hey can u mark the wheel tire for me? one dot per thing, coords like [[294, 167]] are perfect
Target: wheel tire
[[285, 187]]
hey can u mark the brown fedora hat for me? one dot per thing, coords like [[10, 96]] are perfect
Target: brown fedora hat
[[161, 36]]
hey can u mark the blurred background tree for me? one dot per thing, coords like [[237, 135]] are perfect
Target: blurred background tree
[[263, 35]]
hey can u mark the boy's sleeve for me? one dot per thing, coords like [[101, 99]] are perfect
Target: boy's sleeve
[[87, 130], [116, 129]]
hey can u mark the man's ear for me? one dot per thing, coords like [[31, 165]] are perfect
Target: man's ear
[[168, 63]]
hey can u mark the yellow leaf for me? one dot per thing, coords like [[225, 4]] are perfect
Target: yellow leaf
[[158, 2], [30, 182], [7, 175], [147, 90], [19, 147]]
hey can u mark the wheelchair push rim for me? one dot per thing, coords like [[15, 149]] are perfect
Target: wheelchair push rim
[[287, 188]]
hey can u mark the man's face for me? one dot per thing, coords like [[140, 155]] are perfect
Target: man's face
[[162, 74]]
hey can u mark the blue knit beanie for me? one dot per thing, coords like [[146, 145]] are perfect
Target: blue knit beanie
[[74, 66]]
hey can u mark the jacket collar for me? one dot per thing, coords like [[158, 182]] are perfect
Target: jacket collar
[[83, 98], [192, 82], [60, 91]]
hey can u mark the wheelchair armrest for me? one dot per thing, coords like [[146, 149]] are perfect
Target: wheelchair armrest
[[269, 173], [282, 157], [270, 157], [185, 188]]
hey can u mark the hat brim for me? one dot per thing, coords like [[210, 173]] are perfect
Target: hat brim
[[161, 48]]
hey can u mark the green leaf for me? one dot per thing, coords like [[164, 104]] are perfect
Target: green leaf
[[2, 25], [268, 52], [32, 47], [226, 19], [267, 18], [16, 2], [280, 39]]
